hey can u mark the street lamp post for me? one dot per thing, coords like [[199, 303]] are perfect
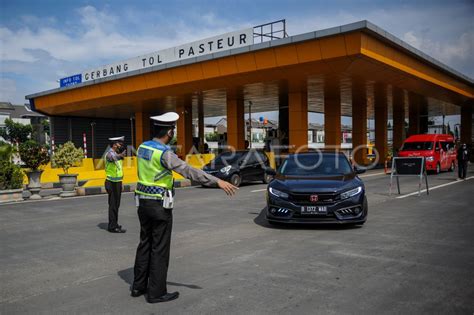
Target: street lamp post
[[250, 124], [93, 138]]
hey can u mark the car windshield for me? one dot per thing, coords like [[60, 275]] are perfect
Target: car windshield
[[316, 165], [228, 158], [417, 146]]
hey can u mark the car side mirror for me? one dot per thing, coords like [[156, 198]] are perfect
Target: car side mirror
[[359, 170], [270, 171], [437, 149]]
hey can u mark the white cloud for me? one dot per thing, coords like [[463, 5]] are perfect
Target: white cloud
[[8, 91], [460, 48], [45, 54], [444, 32], [46, 50], [100, 41]]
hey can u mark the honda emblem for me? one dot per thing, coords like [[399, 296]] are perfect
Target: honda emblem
[[313, 198]]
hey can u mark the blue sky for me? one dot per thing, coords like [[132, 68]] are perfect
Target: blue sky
[[42, 41]]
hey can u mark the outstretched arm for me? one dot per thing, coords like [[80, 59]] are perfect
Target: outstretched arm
[[172, 162]]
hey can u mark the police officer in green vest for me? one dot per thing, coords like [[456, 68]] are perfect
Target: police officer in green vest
[[154, 196], [113, 183]]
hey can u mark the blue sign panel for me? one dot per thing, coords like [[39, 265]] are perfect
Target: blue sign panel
[[75, 79]]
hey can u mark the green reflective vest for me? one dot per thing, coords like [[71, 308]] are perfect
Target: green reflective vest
[[113, 170], [153, 177]]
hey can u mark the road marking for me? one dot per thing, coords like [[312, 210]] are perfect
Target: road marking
[[435, 187], [56, 197], [257, 190], [368, 175]]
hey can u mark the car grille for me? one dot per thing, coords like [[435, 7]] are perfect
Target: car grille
[[304, 198], [320, 217]]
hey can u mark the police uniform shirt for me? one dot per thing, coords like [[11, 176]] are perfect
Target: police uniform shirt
[[112, 156], [172, 162]]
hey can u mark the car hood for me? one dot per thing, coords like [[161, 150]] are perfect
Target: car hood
[[329, 184], [215, 167]]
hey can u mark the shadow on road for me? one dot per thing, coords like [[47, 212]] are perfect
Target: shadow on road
[[262, 221], [103, 226], [127, 276], [245, 184]]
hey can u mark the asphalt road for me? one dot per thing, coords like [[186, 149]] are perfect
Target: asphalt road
[[414, 255]]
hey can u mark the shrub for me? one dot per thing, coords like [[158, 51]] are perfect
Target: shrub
[[6, 151], [11, 176], [33, 154], [66, 156]]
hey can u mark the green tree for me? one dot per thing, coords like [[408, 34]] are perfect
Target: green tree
[[16, 132], [46, 126], [214, 136]]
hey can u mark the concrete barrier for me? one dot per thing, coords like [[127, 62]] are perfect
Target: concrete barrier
[[91, 172], [11, 195]]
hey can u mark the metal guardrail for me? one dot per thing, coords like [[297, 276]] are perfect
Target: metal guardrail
[[269, 31]]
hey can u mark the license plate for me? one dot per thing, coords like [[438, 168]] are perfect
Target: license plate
[[314, 210]]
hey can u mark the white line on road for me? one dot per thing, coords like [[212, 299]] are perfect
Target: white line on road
[[56, 197], [433, 188], [257, 190]]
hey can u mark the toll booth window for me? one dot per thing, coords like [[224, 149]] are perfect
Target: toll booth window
[[417, 146]]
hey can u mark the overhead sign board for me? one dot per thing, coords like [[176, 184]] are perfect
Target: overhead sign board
[[74, 79], [202, 47]]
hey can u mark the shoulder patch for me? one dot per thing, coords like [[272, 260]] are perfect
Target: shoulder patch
[[144, 153], [156, 145]]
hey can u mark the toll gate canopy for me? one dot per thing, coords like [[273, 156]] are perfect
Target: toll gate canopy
[[356, 70]]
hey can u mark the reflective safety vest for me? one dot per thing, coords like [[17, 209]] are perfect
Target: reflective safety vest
[[113, 170], [153, 177]]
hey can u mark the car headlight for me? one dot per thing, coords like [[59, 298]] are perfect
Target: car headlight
[[351, 193], [277, 193], [226, 169], [430, 159]]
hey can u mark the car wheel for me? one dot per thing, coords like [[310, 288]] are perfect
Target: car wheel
[[235, 180], [438, 169], [451, 169], [267, 178]]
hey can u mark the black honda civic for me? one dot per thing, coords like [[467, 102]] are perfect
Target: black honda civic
[[319, 187]]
